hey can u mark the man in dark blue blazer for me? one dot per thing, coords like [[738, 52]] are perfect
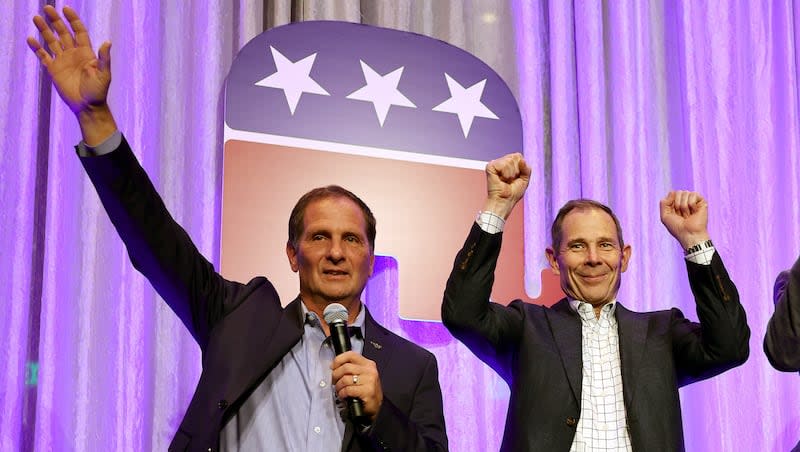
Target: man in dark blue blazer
[[270, 380], [587, 373]]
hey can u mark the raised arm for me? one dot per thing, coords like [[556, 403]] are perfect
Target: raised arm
[[721, 340], [488, 329], [157, 245]]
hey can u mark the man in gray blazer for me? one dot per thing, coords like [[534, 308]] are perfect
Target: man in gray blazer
[[270, 380], [782, 341], [587, 373]]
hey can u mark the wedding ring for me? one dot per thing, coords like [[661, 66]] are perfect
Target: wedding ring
[[355, 379]]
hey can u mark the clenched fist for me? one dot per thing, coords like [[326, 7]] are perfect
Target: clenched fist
[[507, 179], [685, 215]]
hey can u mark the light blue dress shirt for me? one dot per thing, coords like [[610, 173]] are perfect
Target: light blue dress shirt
[[295, 408]]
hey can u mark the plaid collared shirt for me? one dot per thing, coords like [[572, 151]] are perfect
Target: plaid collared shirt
[[602, 425]]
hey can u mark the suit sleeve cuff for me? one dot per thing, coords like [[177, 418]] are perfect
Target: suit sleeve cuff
[[103, 148], [490, 222]]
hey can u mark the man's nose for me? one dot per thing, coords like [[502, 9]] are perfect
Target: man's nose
[[335, 251], [592, 255]]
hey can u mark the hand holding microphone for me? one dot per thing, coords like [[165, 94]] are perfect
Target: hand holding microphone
[[355, 377]]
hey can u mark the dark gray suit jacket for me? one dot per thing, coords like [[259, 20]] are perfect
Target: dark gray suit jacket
[[537, 350], [244, 332], [782, 341]]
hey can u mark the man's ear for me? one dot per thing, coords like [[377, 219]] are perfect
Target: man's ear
[[626, 256], [371, 263], [551, 257], [291, 253]]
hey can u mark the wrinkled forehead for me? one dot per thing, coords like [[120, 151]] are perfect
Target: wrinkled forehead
[[588, 223], [335, 213]]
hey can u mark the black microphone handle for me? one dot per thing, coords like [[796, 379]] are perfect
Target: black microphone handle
[[340, 337], [341, 343]]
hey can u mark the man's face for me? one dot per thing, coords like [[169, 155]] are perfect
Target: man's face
[[589, 260], [333, 255]]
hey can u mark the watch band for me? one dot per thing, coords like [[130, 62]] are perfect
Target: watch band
[[698, 247]]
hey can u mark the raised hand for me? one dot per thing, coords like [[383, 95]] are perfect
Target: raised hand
[[507, 179], [81, 78], [685, 215]]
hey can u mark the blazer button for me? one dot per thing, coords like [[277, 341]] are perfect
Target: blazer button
[[571, 421], [222, 404]]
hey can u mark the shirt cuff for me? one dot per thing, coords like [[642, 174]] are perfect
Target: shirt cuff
[[103, 148], [702, 253], [490, 222]]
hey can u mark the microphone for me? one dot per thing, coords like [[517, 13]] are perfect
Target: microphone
[[336, 317]]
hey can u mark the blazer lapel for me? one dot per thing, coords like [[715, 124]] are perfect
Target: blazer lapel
[[374, 341], [275, 345], [632, 329], [566, 328]]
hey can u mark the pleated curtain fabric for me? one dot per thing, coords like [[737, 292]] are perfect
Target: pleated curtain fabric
[[621, 102]]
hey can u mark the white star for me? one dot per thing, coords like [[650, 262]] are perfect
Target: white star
[[292, 78], [382, 91], [466, 103]]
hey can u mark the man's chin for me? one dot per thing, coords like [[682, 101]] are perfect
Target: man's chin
[[338, 297], [334, 298]]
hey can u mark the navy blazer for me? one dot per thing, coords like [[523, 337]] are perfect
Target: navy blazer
[[244, 332], [537, 350]]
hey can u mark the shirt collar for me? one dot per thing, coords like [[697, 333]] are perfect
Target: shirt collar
[[312, 319], [585, 309]]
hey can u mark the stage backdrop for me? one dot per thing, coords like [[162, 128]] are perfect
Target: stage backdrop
[[620, 102]]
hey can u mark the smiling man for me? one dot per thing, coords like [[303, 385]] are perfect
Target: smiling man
[[270, 380], [588, 374], [588, 252]]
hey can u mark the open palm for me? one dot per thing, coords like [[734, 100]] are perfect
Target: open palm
[[81, 78]]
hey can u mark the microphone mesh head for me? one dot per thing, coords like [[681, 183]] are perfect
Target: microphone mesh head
[[335, 312]]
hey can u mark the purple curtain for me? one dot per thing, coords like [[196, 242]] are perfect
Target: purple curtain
[[621, 101]]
